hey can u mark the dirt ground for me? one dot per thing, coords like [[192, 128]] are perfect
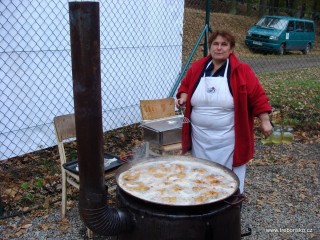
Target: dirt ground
[[282, 199]]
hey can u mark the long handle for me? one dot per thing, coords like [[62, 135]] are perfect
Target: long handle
[[181, 109], [241, 199]]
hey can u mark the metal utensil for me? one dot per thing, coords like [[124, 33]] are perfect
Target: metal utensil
[[184, 119]]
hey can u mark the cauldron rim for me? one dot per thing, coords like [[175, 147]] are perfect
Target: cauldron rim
[[130, 164]]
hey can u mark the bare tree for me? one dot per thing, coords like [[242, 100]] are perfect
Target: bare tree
[[302, 9], [249, 7], [274, 7], [291, 7], [263, 7], [316, 10], [233, 8]]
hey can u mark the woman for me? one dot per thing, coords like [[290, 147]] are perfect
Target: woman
[[222, 96]]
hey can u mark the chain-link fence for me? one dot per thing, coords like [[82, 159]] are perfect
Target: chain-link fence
[[144, 45], [141, 44]]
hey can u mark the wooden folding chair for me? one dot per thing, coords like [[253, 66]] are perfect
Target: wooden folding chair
[[64, 126]]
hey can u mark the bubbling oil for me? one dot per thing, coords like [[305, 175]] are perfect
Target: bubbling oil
[[177, 182]]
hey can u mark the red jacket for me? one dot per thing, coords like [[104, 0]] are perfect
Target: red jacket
[[250, 100]]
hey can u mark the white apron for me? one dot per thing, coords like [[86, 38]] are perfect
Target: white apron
[[212, 121]]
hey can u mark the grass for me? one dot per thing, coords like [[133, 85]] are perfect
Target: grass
[[296, 94]]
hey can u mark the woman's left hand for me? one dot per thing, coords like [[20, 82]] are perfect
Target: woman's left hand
[[266, 126]]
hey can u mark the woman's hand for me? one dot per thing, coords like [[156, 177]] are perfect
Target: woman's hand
[[181, 102], [266, 127]]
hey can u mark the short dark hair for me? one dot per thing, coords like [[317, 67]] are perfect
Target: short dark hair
[[222, 33]]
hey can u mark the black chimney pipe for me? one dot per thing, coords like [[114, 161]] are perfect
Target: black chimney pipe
[[86, 73]]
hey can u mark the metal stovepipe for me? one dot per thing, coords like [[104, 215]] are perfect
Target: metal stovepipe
[[86, 74]]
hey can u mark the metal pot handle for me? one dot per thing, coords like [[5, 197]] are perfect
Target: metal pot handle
[[248, 233], [126, 157], [241, 198]]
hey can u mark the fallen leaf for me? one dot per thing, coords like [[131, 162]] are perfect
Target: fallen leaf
[[20, 232], [26, 226], [25, 209], [10, 192], [45, 226], [277, 210]]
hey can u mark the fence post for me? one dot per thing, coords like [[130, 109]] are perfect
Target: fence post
[[186, 65], [205, 45]]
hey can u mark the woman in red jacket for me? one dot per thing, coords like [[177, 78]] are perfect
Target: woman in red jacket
[[221, 96]]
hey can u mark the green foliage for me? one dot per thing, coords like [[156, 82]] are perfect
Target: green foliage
[[31, 191], [38, 183], [28, 198], [280, 7], [72, 154], [49, 165], [24, 185]]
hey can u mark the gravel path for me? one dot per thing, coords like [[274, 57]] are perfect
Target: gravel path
[[282, 193]]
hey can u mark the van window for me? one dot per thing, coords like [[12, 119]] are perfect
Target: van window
[[299, 26], [269, 22], [309, 27], [290, 26]]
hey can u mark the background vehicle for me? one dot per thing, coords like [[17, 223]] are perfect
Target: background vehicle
[[280, 34]]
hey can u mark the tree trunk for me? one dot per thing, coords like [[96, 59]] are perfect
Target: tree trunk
[[274, 7], [315, 10], [249, 7], [233, 7], [290, 7], [303, 9], [316, 5], [263, 7]]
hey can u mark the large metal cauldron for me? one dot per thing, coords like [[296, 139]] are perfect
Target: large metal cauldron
[[214, 220]]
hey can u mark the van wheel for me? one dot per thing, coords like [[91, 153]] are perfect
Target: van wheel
[[282, 49], [307, 49]]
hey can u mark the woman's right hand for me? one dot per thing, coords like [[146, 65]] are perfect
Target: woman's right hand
[[181, 102]]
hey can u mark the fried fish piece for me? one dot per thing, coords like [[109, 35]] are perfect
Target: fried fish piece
[[152, 169], [137, 186], [176, 176], [212, 194], [161, 190], [212, 179], [169, 199], [177, 188], [158, 175], [163, 168], [199, 181], [156, 168], [180, 167], [197, 188], [199, 170], [128, 176], [201, 199], [206, 196]]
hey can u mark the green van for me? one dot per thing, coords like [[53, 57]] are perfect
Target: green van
[[281, 34]]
